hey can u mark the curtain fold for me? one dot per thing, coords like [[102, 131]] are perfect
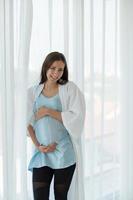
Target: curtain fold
[[15, 25], [50, 11], [7, 98], [66, 27], [126, 98], [78, 42]]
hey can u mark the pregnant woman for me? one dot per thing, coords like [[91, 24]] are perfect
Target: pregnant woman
[[56, 111]]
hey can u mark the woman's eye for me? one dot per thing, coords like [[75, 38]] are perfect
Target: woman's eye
[[52, 68]]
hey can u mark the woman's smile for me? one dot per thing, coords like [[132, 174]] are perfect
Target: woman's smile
[[54, 78]]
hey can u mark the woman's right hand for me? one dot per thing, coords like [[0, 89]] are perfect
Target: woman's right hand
[[41, 112], [47, 149]]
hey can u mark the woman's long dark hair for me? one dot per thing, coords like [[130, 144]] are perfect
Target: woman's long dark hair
[[52, 57]]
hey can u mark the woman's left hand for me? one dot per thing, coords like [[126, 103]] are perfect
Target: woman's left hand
[[43, 111], [47, 149]]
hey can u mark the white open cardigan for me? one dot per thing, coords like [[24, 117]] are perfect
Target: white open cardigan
[[73, 116]]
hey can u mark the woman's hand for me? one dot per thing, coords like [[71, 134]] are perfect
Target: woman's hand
[[42, 148], [43, 111], [47, 149], [51, 147]]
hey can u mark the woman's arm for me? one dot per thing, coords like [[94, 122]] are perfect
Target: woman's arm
[[55, 114], [43, 111], [41, 148], [33, 136]]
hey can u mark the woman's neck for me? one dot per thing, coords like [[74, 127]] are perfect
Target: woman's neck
[[49, 85]]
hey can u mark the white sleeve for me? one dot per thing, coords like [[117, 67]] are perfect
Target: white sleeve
[[73, 118]]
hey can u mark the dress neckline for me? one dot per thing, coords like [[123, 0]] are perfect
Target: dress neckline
[[49, 97]]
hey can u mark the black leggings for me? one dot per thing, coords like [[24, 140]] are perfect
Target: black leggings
[[42, 178]]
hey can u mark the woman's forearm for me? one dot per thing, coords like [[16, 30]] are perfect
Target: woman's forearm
[[43, 111], [55, 114], [33, 136], [42, 148]]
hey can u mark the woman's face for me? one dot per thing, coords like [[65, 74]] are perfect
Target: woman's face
[[55, 72]]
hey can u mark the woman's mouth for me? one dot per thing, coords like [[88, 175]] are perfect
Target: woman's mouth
[[54, 78]]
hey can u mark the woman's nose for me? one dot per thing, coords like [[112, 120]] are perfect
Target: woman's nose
[[55, 72]]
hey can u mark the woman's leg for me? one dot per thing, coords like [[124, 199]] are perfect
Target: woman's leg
[[42, 178], [62, 181]]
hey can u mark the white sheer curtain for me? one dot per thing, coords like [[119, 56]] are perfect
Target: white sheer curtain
[[101, 77], [86, 31], [15, 25]]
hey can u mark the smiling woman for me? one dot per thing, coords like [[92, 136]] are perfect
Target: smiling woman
[[54, 126], [56, 70], [55, 67]]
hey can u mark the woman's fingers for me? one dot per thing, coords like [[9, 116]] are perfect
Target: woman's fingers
[[38, 115], [42, 111], [42, 148], [51, 148], [47, 149]]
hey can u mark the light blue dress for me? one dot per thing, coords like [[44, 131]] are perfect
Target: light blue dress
[[49, 130]]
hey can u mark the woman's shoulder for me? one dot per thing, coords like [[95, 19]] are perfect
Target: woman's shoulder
[[70, 85], [71, 88], [33, 89]]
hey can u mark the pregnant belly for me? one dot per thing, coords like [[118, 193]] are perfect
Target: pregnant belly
[[49, 130]]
